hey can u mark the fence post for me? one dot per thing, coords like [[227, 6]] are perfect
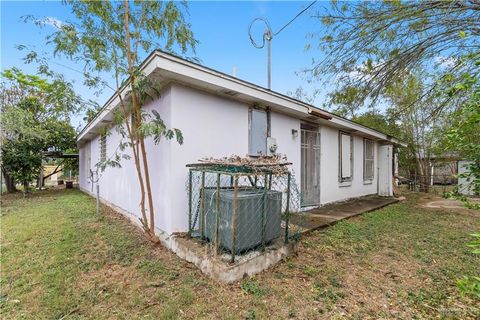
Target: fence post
[[287, 209], [190, 174], [202, 208], [264, 208], [217, 220], [98, 198], [234, 217]]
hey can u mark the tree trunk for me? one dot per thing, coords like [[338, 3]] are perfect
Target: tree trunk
[[424, 175], [148, 187], [150, 228], [26, 188], [9, 182]]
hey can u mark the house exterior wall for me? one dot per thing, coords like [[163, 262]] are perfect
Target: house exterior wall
[[216, 127], [331, 189], [212, 126], [119, 186]]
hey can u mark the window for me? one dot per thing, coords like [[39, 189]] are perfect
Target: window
[[345, 157], [103, 147], [368, 160], [257, 132], [88, 159]]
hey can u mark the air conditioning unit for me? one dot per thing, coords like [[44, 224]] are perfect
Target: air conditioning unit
[[249, 217]]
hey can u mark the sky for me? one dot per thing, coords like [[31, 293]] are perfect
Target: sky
[[220, 26]]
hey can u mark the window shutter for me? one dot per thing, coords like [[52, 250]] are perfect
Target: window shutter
[[257, 142], [345, 157], [368, 160], [103, 147]]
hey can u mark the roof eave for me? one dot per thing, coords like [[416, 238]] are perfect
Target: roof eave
[[190, 71]]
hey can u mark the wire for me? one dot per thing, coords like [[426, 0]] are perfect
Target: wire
[[254, 43], [298, 14], [268, 34]]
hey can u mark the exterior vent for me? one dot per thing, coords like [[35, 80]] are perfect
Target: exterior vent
[[229, 92]]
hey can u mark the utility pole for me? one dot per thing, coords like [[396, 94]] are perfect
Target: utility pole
[[268, 36]]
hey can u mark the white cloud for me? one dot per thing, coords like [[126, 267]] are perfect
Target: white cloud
[[445, 62], [359, 72], [54, 22]]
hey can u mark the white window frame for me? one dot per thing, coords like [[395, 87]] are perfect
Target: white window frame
[[368, 160], [341, 176], [103, 147]]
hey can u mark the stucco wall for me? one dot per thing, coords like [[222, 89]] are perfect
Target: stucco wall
[[119, 186], [213, 126], [331, 189]]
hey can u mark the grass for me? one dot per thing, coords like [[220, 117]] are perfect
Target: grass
[[59, 260]]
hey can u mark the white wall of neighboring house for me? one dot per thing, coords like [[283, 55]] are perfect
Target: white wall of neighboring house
[[465, 186], [215, 126]]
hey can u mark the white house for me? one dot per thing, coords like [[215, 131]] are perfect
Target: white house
[[219, 115]]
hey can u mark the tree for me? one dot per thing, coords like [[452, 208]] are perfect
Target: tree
[[461, 135], [380, 122], [419, 130], [369, 45], [35, 119], [112, 37], [27, 135], [9, 96]]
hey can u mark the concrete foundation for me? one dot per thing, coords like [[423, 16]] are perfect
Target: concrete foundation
[[218, 267], [215, 266]]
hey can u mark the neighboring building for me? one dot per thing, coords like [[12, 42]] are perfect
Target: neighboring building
[[219, 115], [465, 184], [442, 170], [52, 172]]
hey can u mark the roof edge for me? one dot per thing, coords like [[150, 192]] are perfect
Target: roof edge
[[162, 54]]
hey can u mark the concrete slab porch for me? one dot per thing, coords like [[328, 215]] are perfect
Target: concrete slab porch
[[331, 213]]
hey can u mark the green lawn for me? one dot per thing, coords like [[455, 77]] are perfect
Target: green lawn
[[60, 260]]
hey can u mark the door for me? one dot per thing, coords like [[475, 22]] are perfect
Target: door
[[310, 167], [385, 177]]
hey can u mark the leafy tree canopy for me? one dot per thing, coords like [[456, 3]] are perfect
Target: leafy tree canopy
[[56, 95], [33, 121], [462, 134], [369, 45]]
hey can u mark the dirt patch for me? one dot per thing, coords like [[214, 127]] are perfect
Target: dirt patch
[[452, 205], [444, 204]]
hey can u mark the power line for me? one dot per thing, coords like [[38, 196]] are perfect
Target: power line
[[298, 15]]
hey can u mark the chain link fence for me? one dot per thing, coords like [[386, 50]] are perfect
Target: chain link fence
[[237, 210], [437, 184]]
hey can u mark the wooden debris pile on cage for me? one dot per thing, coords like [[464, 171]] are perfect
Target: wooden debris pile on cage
[[236, 164]]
